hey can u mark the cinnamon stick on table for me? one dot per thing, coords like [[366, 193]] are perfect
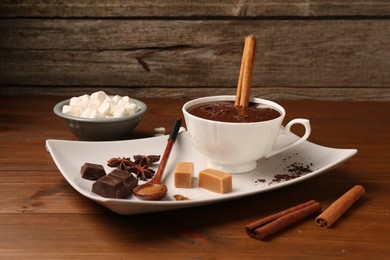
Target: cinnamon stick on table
[[271, 224], [337, 208], [246, 72]]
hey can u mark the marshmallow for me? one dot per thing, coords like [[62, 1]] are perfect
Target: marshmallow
[[116, 98], [126, 99], [131, 109], [95, 114], [94, 104], [119, 112], [100, 96], [159, 131], [84, 102], [74, 101], [75, 111], [105, 108], [70, 111], [100, 105], [120, 104], [86, 113]]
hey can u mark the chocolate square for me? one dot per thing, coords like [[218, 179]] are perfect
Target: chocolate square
[[91, 171], [117, 184]]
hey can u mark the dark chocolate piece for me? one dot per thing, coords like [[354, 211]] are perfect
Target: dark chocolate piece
[[117, 184], [91, 171]]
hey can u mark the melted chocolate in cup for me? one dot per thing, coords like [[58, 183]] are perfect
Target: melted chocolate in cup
[[226, 111]]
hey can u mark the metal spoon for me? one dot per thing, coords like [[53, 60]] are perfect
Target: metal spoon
[[154, 189]]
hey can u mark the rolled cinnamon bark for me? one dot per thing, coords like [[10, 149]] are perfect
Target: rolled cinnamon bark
[[271, 224], [337, 208], [246, 72]]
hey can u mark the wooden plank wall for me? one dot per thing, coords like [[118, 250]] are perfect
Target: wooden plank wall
[[307, 49]]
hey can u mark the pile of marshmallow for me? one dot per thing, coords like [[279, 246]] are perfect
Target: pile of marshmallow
[[99, 105]]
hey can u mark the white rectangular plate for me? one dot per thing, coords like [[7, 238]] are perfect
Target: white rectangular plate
[[69, 156]]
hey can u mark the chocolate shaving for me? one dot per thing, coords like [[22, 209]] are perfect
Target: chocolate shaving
[[296, 169]]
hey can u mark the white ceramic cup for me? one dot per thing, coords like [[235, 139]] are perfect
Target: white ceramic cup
[[236, 147]]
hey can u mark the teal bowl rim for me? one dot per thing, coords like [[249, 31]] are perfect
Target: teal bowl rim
[[58, 111]]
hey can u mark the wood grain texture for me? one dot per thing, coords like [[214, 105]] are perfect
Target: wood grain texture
[[41, 216], [194, 53], [291, 93], [306, 49], [192, 8]]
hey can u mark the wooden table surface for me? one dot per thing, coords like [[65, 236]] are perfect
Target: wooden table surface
[[41, 215]]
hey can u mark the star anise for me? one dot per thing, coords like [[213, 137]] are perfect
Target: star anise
[[121, 163], [142, 171], [146, 159]]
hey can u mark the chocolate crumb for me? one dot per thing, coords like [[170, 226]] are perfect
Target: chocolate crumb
[[296, 169], [180, 197], [260, 181]]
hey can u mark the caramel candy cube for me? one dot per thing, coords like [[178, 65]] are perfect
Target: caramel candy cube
[[184, 173], [216, 181]]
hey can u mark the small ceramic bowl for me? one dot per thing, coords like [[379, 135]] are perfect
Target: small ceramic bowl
[[104, 129]]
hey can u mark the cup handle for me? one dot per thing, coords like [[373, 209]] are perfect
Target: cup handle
[[286, 131]]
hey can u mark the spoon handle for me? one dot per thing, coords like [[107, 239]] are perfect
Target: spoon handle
[[175, 130], [167, 152]]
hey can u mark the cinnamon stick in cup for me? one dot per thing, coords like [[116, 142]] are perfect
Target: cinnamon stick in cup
[[337, 208], [246, 72], [271, 224]]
